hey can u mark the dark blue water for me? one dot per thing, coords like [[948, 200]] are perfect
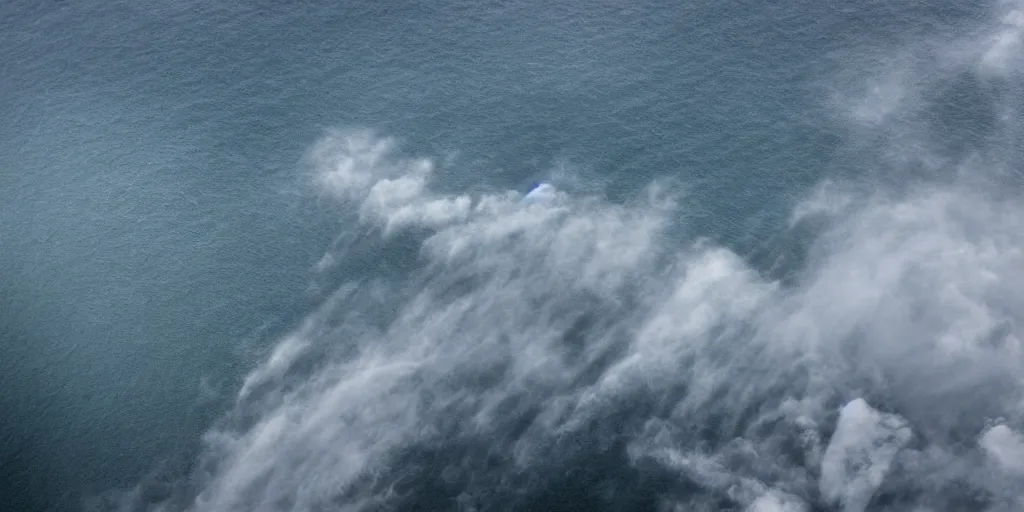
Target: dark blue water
[[265, 256]]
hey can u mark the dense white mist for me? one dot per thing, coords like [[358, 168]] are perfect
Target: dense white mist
[[909, 302]]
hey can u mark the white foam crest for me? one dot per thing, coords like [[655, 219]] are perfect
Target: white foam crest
[[915, 297], [292, 346], [715, 294], [315, 443], [860, 454], [283, 355], [323, 436], [827, 201], [885, 95], [895, 99], [775, 501], [347, 162], [1003, 51], [1004, 447], [924, 291]]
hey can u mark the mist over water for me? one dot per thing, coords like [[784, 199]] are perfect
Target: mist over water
[[634, 334]]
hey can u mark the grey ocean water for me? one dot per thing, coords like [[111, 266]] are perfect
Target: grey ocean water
[[277, 255]]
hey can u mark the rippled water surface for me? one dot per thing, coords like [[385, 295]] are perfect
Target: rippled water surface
[[556, 256]]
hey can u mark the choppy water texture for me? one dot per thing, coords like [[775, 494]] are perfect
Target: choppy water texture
[[278, 256]]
